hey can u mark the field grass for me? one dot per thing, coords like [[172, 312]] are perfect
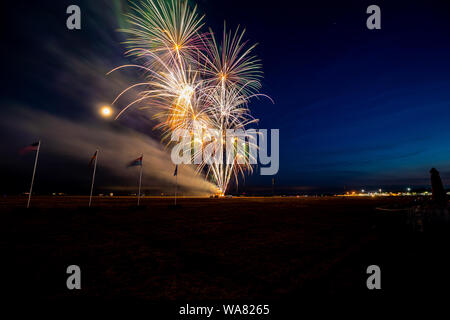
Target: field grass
[[212, 249]]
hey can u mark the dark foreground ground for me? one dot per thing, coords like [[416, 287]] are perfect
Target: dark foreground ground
[[247, 249]]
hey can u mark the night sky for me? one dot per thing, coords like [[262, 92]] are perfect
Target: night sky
[[356, 108]]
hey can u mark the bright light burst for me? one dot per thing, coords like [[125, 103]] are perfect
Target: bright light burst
[[194, 82]]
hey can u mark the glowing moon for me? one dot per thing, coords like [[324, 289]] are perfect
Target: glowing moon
[[106, 111]]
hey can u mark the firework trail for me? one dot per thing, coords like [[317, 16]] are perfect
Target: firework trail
[[194, 82]]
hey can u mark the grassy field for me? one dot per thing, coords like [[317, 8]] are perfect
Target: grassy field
[[211, 249]]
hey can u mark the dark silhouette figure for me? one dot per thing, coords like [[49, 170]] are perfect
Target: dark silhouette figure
[[439, 195]]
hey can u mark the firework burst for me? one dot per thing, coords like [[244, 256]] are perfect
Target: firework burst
[[194, 82]]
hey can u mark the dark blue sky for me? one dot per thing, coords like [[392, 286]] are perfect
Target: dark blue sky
[[356, 108]]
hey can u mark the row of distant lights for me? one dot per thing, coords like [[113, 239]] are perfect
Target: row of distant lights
[[379, 190]]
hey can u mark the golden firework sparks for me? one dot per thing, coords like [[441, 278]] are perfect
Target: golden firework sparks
[[194, 82]]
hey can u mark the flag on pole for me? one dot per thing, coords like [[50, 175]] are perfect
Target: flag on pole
[[35, 146], [175, 173], [93, 158], [31, 147], [136, 162]]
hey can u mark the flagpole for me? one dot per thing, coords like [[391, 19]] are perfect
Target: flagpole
[[140, 179], [176, 187], [34, 172], [273, 187], [93, 178]]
